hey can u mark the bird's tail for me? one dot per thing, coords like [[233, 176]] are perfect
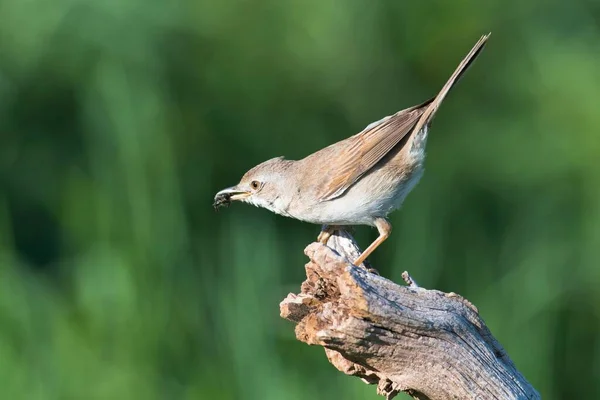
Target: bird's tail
[[458, 73]]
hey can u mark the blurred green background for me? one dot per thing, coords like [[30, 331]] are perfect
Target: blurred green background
[[120, 120]]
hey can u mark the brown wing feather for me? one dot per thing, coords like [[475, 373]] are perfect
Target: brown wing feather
[[367, 148]]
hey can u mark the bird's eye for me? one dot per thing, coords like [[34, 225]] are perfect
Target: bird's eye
[[254, 184]]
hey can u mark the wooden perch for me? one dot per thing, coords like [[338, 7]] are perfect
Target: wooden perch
[[429, 344]]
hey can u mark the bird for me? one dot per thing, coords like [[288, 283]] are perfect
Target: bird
[[357, 181]]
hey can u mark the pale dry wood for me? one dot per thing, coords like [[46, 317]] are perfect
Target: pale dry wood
[[429, 344]]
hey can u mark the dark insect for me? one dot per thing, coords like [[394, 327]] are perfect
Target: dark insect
[[222, 200]]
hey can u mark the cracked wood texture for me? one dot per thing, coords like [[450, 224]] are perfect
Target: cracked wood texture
[[429, 344]]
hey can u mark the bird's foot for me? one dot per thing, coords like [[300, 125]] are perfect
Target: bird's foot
[[325, 234], [328, 230]]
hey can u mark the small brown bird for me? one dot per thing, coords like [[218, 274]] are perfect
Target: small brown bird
[[357, 181]]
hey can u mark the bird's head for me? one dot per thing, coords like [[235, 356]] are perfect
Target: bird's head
[[265, 185]]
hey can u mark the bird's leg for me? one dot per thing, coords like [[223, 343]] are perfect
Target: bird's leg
[[385, 229], [326, 233]]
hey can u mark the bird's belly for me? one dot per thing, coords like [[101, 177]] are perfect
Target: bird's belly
[[377, 193], [374, 195]]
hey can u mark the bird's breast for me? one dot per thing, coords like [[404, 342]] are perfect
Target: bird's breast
[[375, 194]]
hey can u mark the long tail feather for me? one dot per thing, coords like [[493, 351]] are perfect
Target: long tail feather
[[454, 78]]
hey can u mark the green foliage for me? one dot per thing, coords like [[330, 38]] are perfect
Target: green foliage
[[119, 120]]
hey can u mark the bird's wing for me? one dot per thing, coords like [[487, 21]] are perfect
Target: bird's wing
[[366, 149]]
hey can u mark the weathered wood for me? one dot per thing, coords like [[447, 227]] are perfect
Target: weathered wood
[[429, 344]]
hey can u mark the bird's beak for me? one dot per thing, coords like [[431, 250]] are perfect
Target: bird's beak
[[226, 196], [233, 193]]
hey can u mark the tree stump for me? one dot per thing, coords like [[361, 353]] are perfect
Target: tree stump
[[429, 344]]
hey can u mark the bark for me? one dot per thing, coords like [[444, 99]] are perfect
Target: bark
[[429, 344]]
